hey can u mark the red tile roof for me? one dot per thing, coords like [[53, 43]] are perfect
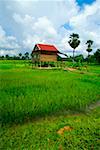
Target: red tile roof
[[47, 47]]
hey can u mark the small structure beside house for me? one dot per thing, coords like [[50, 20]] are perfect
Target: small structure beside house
[[44, 53], [62, 57]]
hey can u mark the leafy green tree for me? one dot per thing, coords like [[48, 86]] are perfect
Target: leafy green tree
[[89, 44], [7, 56], [79, 58], [23, 58], [74, 42], [26, 55], [97, 55], [20, 55], [2, 57]]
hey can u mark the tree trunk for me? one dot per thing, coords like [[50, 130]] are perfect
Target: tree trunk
[[88, 58], [88, 54], [73, 55]]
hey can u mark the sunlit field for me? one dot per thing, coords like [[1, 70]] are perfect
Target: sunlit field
[[28, 94]]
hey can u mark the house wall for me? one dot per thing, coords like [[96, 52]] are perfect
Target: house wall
[[50, 58], [44, 56]]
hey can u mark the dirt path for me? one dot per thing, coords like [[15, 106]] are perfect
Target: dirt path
[[70, 69]]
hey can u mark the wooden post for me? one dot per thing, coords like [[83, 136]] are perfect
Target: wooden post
[[38, 63], [57, 64], [35, 63], [61, 64], [48, 63]]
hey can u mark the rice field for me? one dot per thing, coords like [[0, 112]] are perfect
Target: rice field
[[48, 109], [27, 93]]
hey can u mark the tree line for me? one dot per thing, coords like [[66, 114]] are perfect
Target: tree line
[[74, 42], [20, 56]]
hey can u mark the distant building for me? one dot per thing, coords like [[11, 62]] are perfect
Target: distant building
[[44, 53]]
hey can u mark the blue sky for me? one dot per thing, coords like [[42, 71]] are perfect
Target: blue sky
[[23, 23], [82, 2]]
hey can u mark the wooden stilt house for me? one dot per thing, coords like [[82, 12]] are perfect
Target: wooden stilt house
[[44, 53]]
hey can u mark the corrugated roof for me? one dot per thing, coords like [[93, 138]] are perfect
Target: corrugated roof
[[47, 47], [62, 55]]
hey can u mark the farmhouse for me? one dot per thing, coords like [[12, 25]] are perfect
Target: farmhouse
[[44, 53]]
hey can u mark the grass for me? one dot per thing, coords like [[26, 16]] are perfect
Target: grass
[[28, 94], [43, 134]]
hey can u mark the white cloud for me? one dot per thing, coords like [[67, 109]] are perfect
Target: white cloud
[[6, 52], [2, 33], [35, 30], [26, 20], [8, 44], [36, 21], [44, 26]]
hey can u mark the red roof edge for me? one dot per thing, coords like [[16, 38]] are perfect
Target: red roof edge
[[47, 47]]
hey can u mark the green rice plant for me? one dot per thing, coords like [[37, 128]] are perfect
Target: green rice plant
[[26, 93]]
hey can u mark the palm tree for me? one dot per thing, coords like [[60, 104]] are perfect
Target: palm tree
[[89, 44], [74, 42]]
